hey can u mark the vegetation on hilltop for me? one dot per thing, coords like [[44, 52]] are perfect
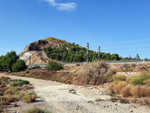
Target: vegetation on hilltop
[[76, 53], [57, 41]]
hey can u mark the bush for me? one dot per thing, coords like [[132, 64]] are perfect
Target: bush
[[54, 66], [127, 90], [19, 66], [36, 67], [95, 74], [139, 80], [37, 110], [118, 77], [19, 83], [28, 98]]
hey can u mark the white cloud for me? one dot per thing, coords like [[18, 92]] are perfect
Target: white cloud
[[63, 6]]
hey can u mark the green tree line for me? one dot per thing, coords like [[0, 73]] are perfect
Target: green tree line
[[76, 53], [11, 62]]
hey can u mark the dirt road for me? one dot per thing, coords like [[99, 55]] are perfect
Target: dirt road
[[56, 97]]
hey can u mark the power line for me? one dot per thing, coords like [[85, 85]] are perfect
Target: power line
[[133, 49], [127, 46], [130, 41]]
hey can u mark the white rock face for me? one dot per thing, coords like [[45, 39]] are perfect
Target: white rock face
[[26, 56]]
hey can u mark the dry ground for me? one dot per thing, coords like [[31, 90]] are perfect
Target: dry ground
[[55, 96]]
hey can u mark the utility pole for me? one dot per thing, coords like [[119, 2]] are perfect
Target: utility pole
[[99, 53], [87, 52]]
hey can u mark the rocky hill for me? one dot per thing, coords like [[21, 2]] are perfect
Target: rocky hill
[[34, 54]]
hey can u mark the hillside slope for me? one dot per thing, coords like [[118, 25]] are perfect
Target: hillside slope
[[34, 54]]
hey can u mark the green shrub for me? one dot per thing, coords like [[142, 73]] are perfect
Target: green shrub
[[19, 83], [37, 110], [139, 80], [54, 66], [19, 66], [118, 77], [36, 67], [28, 98]]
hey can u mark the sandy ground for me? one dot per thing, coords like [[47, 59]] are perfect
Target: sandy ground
[[56, 97]]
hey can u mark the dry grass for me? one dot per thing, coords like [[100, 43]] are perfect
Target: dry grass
[[94, 74], [119, 77], [127, 90], [131, 67], [28, 98], [115, 89], [15, 105], [9, 94], [37, 110]]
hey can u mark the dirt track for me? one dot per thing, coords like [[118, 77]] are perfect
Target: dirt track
[[56, 97]]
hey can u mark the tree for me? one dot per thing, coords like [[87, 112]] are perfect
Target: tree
[[137, 57], [8, 60], [11, 58], [115, 57], [19, 66], [76, 53]]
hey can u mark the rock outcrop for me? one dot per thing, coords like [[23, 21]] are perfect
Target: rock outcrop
[[39, 45]]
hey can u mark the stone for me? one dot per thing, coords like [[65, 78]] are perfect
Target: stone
[[72, 91]]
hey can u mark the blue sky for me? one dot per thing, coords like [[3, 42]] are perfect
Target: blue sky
[[118, 26]]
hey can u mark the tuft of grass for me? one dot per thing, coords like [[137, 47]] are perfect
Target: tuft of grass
[[126, 91], [125, 101], [11, 90], [19, 83], [120, 86], [114, 99], [119, 77], [29, 97], [37, 110]]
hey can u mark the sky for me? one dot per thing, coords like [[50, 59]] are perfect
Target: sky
[[118, 26]]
